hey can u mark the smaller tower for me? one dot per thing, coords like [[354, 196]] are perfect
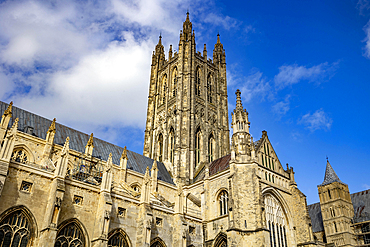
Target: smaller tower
[[241, 139], [336, 208]]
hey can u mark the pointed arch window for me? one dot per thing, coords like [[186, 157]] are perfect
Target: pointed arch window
[[70, 236], [211, 144], [276, 221], [223, 201], [118, 239], [171, 140], [164, 88], [209, 89], [21, 156], [160, 147], [174, 82], [197, 82], [197, 146], [15, 230]]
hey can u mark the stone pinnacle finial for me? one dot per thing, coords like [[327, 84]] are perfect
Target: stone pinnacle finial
[[52, 126], [124, 153], [218, 38], [187, 15], [66, 145], [9, 109], [238, 99], [91, 140], [15, 124]]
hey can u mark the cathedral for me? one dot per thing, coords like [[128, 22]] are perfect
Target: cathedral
[[194, 185]]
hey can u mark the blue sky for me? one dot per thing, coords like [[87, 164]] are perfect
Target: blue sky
[[302, 67]]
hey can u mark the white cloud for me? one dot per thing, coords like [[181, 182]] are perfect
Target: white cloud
[[318, 120], [226, 21], [76, 61], [363, 6], [282, 107], [292, 74], [367, 40], [252, 86]]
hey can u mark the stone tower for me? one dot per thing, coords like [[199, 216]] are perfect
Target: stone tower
[[336, 208], [187, 107]]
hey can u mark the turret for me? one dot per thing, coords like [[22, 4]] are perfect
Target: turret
[[336, 208], [187, 28], [241, 141], [219, 52]]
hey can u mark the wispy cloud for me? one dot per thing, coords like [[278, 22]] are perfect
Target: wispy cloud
[[253, 86], [317, 120], [226, 21], [366, 186], [282, 107], [367, 40], [363, 6], [292, 74]]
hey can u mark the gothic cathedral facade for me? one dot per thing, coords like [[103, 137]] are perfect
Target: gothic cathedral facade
[[194, 186]]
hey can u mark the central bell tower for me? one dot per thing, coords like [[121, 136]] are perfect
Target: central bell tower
[[187, 117]]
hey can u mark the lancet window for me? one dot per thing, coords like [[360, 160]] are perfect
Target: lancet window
[[174, 84], [197, 146], [15, 230], [223, 201], [209, 89], [197, 82], [276, 222], [70, 236], [160, 147], [171, 140], [164, 88], [211, 144]]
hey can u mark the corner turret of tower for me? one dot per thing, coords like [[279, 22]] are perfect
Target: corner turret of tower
[[239, 122], [219, 52], [241, 139], [187, 27]]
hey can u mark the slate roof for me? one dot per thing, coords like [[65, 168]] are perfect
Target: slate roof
[[361, 206], [330, 175], [38, 126], [314, 211]]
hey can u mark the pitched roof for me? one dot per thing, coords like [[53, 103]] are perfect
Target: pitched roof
[[38, 126], [314, 211], [330, 175], [361, 206]]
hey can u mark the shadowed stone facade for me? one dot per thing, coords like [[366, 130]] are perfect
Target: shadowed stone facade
[[61, 187]]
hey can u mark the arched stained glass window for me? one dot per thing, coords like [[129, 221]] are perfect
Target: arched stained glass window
[[15, 230], [276, 221], [70, 236], [118, 239]]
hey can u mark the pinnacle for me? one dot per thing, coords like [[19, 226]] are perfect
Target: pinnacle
[[238, 100], [330, 175]]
